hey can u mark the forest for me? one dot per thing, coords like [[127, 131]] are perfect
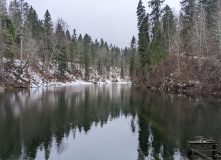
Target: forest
[[29, 45], [172, 52], [178, 52]]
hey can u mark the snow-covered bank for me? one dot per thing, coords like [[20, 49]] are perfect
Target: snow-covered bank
[[34, 77], [77, 82]]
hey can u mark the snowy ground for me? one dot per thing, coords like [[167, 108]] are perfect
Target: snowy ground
[[34, 79]]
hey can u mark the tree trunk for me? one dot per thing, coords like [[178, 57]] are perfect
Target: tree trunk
[[21, 49], [2, 65]]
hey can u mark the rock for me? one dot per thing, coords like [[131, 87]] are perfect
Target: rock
[[153, 88], [2, 89]]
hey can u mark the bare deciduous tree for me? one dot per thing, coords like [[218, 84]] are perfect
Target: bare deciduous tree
[[200, 35]]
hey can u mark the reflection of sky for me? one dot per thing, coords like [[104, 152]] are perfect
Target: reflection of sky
[[111, 142], [47, 113], [24, 99]]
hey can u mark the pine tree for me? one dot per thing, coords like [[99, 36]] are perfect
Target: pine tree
[[158, 48], [122, 70], [169, 26], [48, 44], [73, 49], [7, 36], [155, 14], [210, 6], [132, 59], [3, 7], [143, 37], [144, 44], [18, 11], [61, 50], [68, 35], [158, 43], [188, 8], [34, 24], [141, 13], [48, 26], [74, 36], [87, 55]]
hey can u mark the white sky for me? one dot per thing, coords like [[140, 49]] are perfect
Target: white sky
[[113, 20]]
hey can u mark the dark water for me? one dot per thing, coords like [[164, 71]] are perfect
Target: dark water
[[109, 122]]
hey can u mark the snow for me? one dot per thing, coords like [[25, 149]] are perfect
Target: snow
[[36, 79]]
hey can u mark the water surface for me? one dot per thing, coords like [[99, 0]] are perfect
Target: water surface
[[103, 122]]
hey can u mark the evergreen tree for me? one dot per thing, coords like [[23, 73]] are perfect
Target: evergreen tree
[[122, 70], [48, 46], [80, 50], [48, 26], [158, 43], [144, 44], [158, 48], [33, 23], [18, 10], [87, 55], [143, 37], [7, 36], [188, 8], [74, 36], [3, 7], [61, 50], [68, 35], [132, 59], [210, 6], [73, 49], [80, 38], [169, 26], [141, 13], [155, 14]]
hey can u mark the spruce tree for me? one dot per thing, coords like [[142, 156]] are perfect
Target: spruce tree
[[210, 6], [87, 55], [144, 43], [48, 45], [3, 7], [169, 26], [48, 26], [33, 23], [143, 37], [73, 49], [122, 70], [188, 8], [158, 43], [155, 14], [141, 13], [158, 48], [18, 11], [68, 35], [7, 36], [61, 50], [132, 58], [74, 36]]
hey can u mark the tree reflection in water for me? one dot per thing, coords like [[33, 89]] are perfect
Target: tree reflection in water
[[37, 119]]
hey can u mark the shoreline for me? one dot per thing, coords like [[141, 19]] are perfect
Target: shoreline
[[62, 84]]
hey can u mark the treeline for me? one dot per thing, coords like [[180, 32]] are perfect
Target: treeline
[[182, 48], [24, 36]]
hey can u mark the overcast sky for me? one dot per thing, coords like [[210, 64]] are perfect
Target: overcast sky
[[113, 20]]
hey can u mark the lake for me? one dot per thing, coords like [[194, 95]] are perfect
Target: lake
[[104, 122]]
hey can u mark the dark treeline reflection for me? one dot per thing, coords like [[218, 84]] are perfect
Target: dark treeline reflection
[[33, 119], [166, 122]]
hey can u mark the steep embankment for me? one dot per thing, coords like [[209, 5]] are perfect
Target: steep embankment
[[34, 77], [189, 74]]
